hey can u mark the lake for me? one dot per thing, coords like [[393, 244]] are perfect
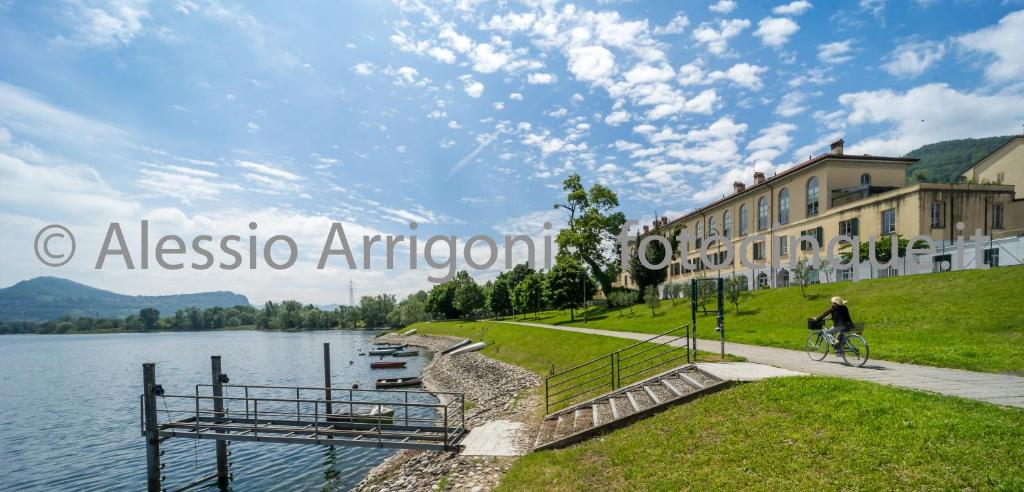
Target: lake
[[69, 407]]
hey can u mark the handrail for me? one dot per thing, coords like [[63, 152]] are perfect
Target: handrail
[[611, 365]]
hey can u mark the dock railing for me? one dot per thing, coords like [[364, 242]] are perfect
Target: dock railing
[[610, 372], [298, 414]]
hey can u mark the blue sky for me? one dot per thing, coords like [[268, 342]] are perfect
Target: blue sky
[[464, 116]]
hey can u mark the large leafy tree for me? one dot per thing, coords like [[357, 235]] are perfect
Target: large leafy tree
[[469, 297], [499, 298], [570, 285], [441, 300], [528, 294], [643, 276], [592, 229]]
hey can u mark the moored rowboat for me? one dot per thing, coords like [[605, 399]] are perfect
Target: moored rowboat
[[390, 364], [398, 382], [406, 353], [386, 351]]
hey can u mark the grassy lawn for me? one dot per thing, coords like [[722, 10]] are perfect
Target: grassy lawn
[[806, 433], [970, 320], [535, 349]]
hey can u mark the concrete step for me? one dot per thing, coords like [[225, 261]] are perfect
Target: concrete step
[[584, 419], [604, 413], [640, 399], [546, 432], [564, 426]]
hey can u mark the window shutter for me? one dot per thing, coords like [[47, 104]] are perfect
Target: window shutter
[[855, 226]]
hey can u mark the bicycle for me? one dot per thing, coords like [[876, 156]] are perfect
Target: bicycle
[[853, 347]]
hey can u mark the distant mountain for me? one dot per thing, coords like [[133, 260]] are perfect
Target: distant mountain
[[944, 162], [46, 298]]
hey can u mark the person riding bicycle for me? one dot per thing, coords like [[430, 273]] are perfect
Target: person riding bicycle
[[841, 321]]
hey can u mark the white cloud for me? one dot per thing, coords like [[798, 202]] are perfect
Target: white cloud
[[537, 78], [912, 59], [793, 8], [268, 170], [675, 26], [515, 96], [722, 6], [771, 143], [743, 75], [106, 23], [472, 87], [717, 41], [616, 118], [930, 113], [1003, 43], [443, 55], [363, 69], [835, 52], [775, 31], [487, 60], [591, 63], [791, 104], [454, 125]]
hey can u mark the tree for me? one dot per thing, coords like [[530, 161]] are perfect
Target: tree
[[883, 249], [643, 276], [802, 275], [469, 297], [570, 285], [736, 291], [374, 309], [675, 290], [441, 301], [148, 318], [499, 298], [527, 295], [592, 229], [652, 300]]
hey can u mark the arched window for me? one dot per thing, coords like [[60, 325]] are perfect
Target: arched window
[[865, 179], [762, 214], [744, 220], [700, 234], [727, 224], [812, 196], [784, 206], [713, 227], [762, 280]]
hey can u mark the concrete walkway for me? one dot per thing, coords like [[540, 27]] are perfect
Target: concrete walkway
[[999, 389]]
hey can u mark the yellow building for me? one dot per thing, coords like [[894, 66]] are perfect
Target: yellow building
[[830, 195]]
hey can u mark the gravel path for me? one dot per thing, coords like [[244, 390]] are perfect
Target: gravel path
[[494, 390]]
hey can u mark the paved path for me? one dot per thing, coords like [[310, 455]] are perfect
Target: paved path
[[1000, 389]]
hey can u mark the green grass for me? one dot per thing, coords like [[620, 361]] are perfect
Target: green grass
[[806, 433], [970, 320]]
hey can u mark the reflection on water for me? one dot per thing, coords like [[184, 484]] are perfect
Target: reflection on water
[[69, 408]]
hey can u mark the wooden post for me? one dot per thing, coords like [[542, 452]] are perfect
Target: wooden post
[[327, 376], [150, 426], [218, 411]]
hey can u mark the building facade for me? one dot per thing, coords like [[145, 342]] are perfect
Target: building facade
[[824, 197]]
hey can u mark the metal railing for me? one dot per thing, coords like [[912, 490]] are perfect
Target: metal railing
[[303, 414], [610, 372]]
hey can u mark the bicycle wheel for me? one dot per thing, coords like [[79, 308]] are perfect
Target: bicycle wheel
[[855, 350], [816, 346]]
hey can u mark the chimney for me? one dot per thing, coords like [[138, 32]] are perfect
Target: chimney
[[837, 147], [664, 221], [738, 186], [758, 177], [647, 229]]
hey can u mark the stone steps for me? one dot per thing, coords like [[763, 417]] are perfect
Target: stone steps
[[624, 405]]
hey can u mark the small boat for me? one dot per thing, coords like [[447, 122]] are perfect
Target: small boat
[[468, 348], [365, 414], [389, 364], [388, 345], [387, 351], [397, 382], [406, 353]]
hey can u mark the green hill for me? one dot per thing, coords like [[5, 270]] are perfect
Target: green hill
[[944, 162], [47, 298]]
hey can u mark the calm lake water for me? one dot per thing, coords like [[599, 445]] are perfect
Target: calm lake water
[[69, 407]]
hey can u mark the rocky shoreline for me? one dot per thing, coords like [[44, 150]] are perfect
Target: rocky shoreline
[[494, 391]]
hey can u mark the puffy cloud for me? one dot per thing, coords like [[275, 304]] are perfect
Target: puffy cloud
[[717, 40], [835, 52], [722, 6], [538, 78], [443, 55], [515, 96], [591, 63], [616, 118], [1002, 42], [675, 26], [930, 113], [364, 69], [793, 8], [771, 142], [775, 31], [106, 23], [742, 74], [486, 59], [472, 87], [912, 59], [791, 104]]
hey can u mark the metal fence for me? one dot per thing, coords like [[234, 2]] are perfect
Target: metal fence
[[610, 372]]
